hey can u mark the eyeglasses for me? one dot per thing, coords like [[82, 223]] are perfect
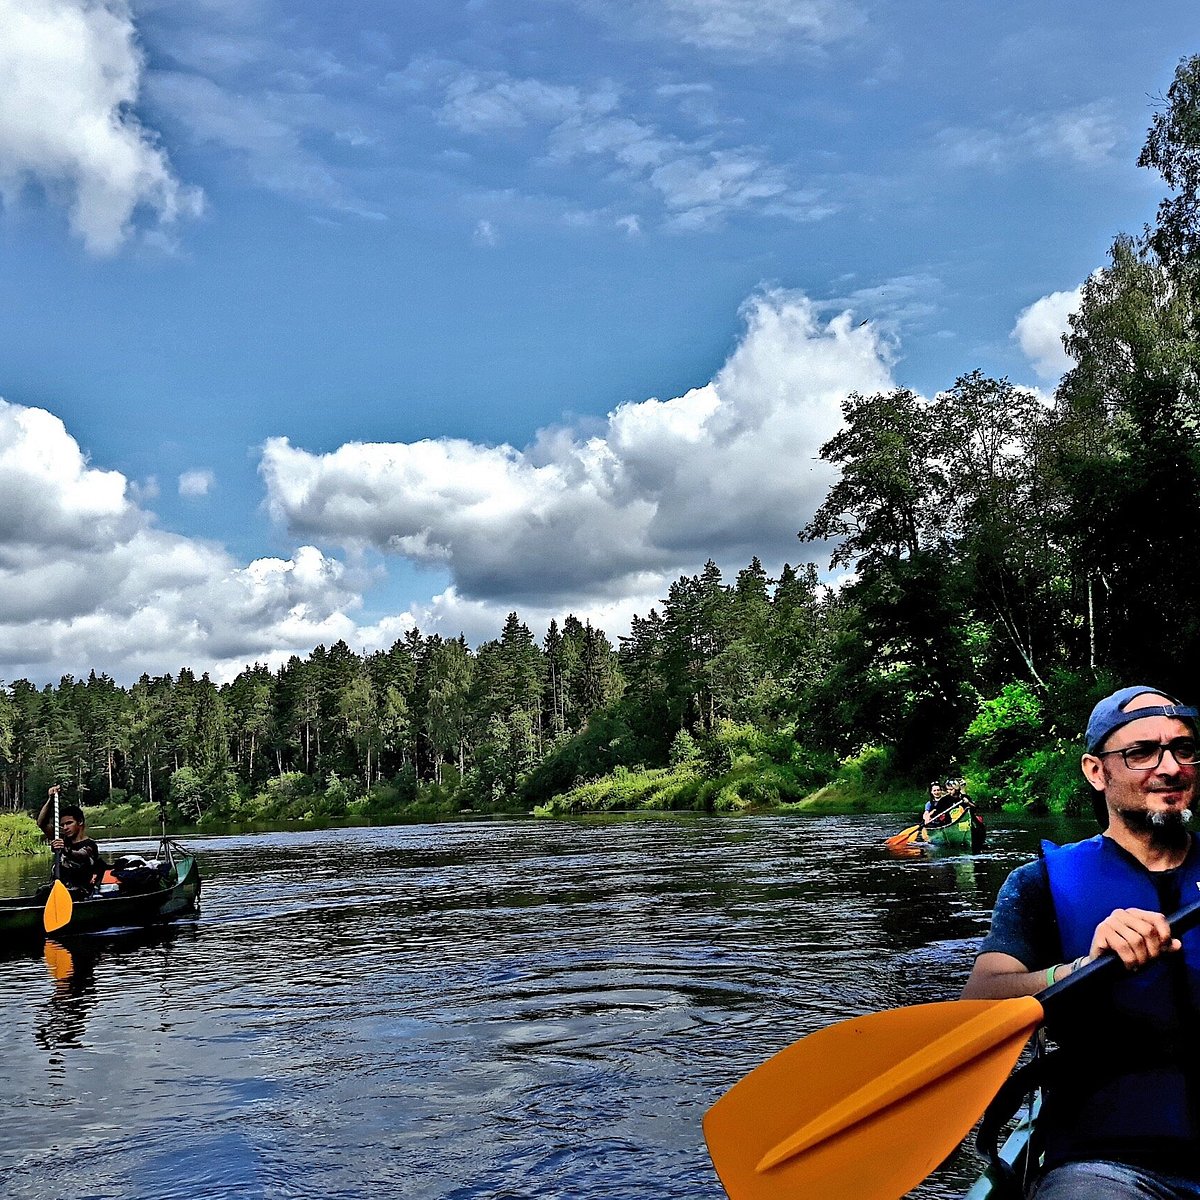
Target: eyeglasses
[[1146, 756]]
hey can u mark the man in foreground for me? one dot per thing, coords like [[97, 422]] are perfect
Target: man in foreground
[[79, 863], [1121, 1112]]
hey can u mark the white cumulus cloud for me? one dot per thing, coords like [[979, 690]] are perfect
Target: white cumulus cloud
[[594, 521], [87, 581], [71, 72], [196, 483], [729, 469], [1039, 332]]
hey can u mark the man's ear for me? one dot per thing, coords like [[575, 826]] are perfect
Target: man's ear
[[1093, 771]]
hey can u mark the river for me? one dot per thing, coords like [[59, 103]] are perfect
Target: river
[[489, 1009]]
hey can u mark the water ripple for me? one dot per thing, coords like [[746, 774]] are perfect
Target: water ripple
[[483, 1010]]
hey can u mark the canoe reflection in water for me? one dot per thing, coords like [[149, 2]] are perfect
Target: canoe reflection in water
[[80, 971]]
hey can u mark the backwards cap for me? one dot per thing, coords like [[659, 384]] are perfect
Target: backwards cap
[[1110, 714]]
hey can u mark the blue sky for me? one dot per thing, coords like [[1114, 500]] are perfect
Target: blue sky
[[324, 321]]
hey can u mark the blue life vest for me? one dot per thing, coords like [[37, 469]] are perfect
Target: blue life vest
[[1128, 1083]]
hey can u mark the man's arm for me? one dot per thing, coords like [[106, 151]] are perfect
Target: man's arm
[[1135, 935], [998, 976], [1022, 942], [85, 855]]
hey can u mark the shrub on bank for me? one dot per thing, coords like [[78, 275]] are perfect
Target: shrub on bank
[[864, 782], [1046, 780], [734, 768], [626, 790], [19, 834]]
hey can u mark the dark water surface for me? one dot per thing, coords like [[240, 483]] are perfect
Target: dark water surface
[[500, 1010]]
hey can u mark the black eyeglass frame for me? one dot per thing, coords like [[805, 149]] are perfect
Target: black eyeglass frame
[[1163, 747]]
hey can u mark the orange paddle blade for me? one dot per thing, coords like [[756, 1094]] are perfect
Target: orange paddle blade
[[866, 1109], [904, 837], [59, 907], [60, 962]]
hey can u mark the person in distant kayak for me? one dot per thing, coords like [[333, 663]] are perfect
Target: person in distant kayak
[[79, 865], [941, 800], [1121, 1111]]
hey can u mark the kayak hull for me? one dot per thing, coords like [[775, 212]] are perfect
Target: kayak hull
[[992, 1184], [21, 916], [967, 832]]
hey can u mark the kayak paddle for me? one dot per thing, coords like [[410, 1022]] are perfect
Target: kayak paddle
[[867, 1108], [904, 837], [59, 904]]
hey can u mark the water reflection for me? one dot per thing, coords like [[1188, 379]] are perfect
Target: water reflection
[[83, 970], [73, 978]]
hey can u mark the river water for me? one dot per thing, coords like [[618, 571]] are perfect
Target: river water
[[490, 1009]]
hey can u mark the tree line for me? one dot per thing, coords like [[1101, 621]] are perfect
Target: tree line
[[494, 727], [1010, 557]]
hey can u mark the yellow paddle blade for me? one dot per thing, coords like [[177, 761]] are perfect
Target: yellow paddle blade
[[866, 1109], [59, 907], [60, 962]]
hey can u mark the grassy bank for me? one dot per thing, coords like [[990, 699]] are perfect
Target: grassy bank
[[740, 769]]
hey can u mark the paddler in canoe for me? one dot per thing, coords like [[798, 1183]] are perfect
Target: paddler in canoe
[[949, 819], [936, 802], [85, 895], [1120, 1118], [77, 861]]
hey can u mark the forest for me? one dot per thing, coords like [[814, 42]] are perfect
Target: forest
[[1009, 557]]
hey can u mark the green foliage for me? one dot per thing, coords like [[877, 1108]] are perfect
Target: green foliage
[[1006, 723], [1046, 780], [737, 768], [125, 818], [683, 749], [1173, 149], [624, 790], [19, 834], [202, 794], [870, 770], [284, 790]]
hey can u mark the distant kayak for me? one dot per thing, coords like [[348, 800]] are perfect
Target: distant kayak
[[168, 888], [962, 829], [959, 828]]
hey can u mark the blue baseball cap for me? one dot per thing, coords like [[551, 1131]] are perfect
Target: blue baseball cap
[[1110, 714]]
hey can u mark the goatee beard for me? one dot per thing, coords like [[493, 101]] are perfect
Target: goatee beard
[[1166, 829]]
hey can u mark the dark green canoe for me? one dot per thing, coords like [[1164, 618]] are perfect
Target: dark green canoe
[[176, 894], [960, 828]]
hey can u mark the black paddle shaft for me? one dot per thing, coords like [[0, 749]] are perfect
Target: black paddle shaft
[[1109, 963]]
